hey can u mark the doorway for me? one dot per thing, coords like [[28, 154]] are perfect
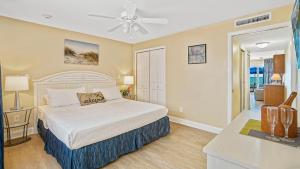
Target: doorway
[[250, 52]]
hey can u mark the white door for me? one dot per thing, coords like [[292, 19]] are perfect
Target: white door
[[157, 76], [142, 75]]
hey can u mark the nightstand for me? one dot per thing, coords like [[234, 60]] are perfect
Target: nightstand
[[24, 115], [130, 97]]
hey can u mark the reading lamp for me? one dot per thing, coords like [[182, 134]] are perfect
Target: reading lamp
[[128, 80], [16, 84], [277, 78]]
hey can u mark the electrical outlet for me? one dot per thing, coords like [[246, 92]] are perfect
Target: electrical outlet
[[16, 118], [180, 109]]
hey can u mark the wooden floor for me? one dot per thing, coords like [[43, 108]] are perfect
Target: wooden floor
[[182, 149]]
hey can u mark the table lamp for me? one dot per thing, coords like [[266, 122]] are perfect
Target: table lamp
[[16, 84], [128, 80], [277, 78]]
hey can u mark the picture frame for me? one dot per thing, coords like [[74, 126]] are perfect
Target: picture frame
[[80, 53], [197, 54]]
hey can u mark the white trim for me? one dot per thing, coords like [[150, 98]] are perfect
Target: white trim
[[71, 77], [19, 133], [261, 29], [74, 77], [229, 79], [148, 49], [229, 59], [197, 125]]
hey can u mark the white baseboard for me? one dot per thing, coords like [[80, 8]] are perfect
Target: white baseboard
[[19, 133], [201, 126]]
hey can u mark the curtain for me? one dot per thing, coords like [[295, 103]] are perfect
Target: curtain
[[268, 72]]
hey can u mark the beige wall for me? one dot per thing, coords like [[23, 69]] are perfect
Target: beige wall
[[202, 89], [38, 51]]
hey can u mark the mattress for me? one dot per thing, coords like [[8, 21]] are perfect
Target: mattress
[[78, 126]]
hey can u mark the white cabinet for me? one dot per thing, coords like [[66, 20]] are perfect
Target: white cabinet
[[217, 163], [150, 73]]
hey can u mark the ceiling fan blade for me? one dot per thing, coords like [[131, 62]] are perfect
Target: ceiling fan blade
[[154, 20], [115, 28], [102, 16], [141, 29], [130, 8]]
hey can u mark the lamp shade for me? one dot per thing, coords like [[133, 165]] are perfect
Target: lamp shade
[[276, 76], [16, 83], [128, 80]]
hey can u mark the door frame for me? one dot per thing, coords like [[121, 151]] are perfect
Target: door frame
[[230, 35], [135, 67]]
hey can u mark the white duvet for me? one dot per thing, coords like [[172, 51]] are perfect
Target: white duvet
[[78, 126]]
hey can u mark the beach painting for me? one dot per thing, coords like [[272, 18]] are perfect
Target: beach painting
[[81, 53]]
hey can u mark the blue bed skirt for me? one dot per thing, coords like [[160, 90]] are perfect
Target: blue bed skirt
[[101, 153]]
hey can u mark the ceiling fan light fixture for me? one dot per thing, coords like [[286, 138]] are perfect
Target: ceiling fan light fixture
[[125, 25], [123, 14], [262, 45], [126, 30], [135, 28], [129, 22]]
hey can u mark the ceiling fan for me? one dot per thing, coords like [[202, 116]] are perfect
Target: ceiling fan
[[129, 21]]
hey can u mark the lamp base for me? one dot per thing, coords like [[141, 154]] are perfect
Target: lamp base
[[129, 89], [17, 105]]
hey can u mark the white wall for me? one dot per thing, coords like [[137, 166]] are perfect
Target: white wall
[[291, 71], [294, 75], [256, 63], [288, 71]]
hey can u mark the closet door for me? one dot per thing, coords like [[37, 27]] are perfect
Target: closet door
[[154, 77], [157, 76], [142, 74]]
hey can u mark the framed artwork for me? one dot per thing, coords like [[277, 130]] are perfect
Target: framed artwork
[[197, 54], [81, 53]]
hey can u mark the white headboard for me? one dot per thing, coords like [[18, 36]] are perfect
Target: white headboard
[[70, 79]]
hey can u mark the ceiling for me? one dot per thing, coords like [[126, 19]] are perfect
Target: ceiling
[[278, 42], [182, 15]]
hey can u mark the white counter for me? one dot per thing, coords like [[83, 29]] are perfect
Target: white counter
[[231, 150]]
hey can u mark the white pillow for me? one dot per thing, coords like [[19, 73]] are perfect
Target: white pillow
[[63, 97], [110, 93]]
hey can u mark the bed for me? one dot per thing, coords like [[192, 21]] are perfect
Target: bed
[[90, 137]]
